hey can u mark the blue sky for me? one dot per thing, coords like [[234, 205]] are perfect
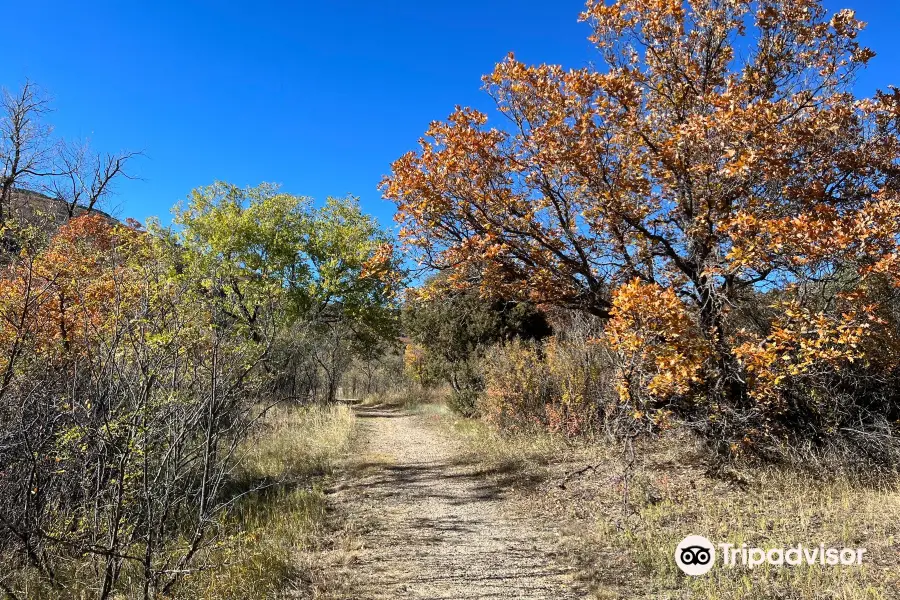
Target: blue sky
[[318, 96]]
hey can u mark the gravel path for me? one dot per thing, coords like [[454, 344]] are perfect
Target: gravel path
[[435, 527]]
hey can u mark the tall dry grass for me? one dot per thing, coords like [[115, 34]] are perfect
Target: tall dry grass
[[622, 523], [271, 531]]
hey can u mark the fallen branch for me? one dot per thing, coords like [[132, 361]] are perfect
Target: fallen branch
[[578, 473]]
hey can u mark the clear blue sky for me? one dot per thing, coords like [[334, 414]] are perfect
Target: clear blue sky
[[319, 96]]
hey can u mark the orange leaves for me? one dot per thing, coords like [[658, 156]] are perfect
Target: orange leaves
[[845, 24], [380, 264], [659, 343], [867, 236], [803, 342], [608, 20], [67, 293], [611, 21], [604, 175], [464, 204]]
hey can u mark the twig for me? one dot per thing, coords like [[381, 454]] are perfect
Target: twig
[[571, 474]]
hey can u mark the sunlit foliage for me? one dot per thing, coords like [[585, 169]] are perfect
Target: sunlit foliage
[[713, 188]]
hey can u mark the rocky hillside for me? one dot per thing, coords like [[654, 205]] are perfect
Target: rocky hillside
[[34, 208]]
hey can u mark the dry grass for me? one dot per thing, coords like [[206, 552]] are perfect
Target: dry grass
[[626, 549], [533, 451], [270, 535], [299, 441]]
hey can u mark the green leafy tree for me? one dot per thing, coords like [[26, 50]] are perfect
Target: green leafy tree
[[329, 275]]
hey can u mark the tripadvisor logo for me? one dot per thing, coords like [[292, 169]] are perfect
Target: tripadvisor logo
[[696, 555]]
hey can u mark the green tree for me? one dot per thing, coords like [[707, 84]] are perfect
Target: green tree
[[329, 275], [451, 331]]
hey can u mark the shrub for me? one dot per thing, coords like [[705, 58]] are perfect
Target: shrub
[[562, 384], [464, 402], [516, 389], [449, 332]]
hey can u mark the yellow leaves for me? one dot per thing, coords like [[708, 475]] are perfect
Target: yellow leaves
[[414, 361], [553, 384], [802, 342], [652, 330]]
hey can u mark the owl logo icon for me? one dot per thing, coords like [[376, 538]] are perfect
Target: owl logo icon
[[695, 555]]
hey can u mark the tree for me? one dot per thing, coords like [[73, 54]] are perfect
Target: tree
[[355, 272], [718, 155], [84, 180], [31, 159], [25, 150], [328, 274]]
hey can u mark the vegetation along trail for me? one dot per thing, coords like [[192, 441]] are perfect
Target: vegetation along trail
[[436, 526]]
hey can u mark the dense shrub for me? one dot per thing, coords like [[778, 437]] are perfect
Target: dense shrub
[[586, 379], [450, 330], [516, 384], [563, 383]]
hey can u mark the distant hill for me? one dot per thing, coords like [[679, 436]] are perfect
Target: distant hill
[[47, 214], [34, 208]]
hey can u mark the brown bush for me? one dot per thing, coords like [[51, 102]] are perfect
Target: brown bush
[[562, 384]]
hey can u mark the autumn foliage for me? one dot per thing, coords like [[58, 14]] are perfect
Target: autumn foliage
[[136, 363], [714, 191]]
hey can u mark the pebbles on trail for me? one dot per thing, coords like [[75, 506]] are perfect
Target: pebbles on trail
[[432, 526]]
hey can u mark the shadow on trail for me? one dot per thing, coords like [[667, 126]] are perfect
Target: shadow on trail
[[420, 480], [380, 412], [436, 523]]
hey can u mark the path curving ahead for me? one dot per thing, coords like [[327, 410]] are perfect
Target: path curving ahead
[[435, 527]]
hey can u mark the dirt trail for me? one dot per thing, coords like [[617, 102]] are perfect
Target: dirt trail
[[435, 527]]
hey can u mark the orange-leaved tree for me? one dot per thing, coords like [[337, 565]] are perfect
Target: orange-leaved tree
[[716, 169]]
